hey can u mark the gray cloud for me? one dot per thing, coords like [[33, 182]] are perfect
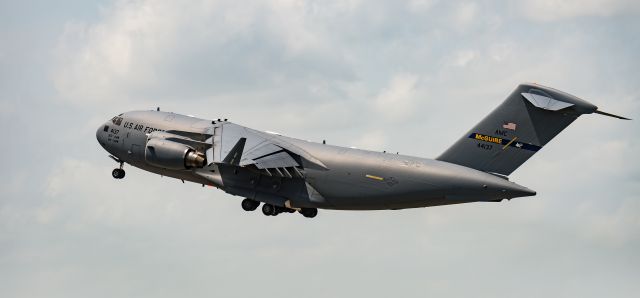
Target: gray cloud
[[409, 77]]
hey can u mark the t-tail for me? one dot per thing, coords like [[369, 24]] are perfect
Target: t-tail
[[526, 121]]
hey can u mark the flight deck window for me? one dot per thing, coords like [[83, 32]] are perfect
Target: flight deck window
[[117, 120], [106, 128]]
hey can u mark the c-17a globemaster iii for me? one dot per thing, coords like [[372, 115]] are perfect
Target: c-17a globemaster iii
[[288, 174]]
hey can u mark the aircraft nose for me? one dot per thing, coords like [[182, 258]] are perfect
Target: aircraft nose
[[100, 135]]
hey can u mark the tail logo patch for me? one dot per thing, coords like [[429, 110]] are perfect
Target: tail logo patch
[[505, 142], [486, 138], [510, 126]]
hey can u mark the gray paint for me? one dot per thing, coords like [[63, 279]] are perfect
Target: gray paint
[[290, 172], [521, 125]]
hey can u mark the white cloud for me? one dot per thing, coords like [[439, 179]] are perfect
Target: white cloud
[[70, 175], [555, 10], [421, 5], [465, 14], [373, 140], [463, 58], [617, 228], [351, 72], [397, 99], [96, 59], [142, 47], [501, 51], [79, 192], [289, 21]]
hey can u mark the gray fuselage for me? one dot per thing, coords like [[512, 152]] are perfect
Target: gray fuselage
[[332, 177]]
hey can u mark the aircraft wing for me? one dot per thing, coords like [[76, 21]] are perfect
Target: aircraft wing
[[268, 152]]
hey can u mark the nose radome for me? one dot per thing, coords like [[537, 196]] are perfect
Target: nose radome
[[100, 135]]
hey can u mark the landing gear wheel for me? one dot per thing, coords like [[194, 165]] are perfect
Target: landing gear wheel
[[269, 210], [118, 173], [249, 204], [309, 212]]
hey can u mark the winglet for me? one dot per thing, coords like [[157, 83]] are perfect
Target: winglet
[[233, 158], [610, 115]]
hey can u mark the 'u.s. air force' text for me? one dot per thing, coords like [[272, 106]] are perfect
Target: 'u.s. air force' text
[[140, 127]]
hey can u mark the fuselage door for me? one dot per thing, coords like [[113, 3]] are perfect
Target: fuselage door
[[132, 146], [136, 152]]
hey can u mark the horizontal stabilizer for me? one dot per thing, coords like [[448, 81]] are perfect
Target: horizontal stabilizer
[[545, 102]]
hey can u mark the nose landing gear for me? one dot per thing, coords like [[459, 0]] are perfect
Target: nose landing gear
[[119, 172]]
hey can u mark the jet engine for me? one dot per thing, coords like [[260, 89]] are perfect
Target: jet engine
[[172, 155]]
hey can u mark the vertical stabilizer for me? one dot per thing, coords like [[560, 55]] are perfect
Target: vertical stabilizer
[[526, 121]]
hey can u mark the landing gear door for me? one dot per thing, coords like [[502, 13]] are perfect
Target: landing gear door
[[134, 151]]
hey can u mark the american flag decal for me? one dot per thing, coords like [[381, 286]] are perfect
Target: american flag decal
[[510, 125]]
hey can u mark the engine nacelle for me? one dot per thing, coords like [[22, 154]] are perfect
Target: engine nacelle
[[172, 155]]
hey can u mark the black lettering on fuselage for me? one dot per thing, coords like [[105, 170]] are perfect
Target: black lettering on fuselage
[[150, 129], [501, 132], [484, 146]]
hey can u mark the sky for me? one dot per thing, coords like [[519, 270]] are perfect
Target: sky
[[401, 76]]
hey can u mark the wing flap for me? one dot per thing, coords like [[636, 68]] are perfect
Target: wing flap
[[266, 151], [279, 159]]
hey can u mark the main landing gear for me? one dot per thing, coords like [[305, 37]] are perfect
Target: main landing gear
[[309, 212], [249, 204], [272, 210], [119, 172]]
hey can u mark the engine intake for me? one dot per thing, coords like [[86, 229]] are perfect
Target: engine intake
[[172, 155]]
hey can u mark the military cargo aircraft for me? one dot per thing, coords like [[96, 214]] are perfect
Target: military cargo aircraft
[[288, 175]]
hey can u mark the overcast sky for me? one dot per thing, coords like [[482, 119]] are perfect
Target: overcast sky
[[399, 76]]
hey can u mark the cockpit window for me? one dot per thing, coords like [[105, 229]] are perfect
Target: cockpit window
[[117, 120], [106, 128]]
